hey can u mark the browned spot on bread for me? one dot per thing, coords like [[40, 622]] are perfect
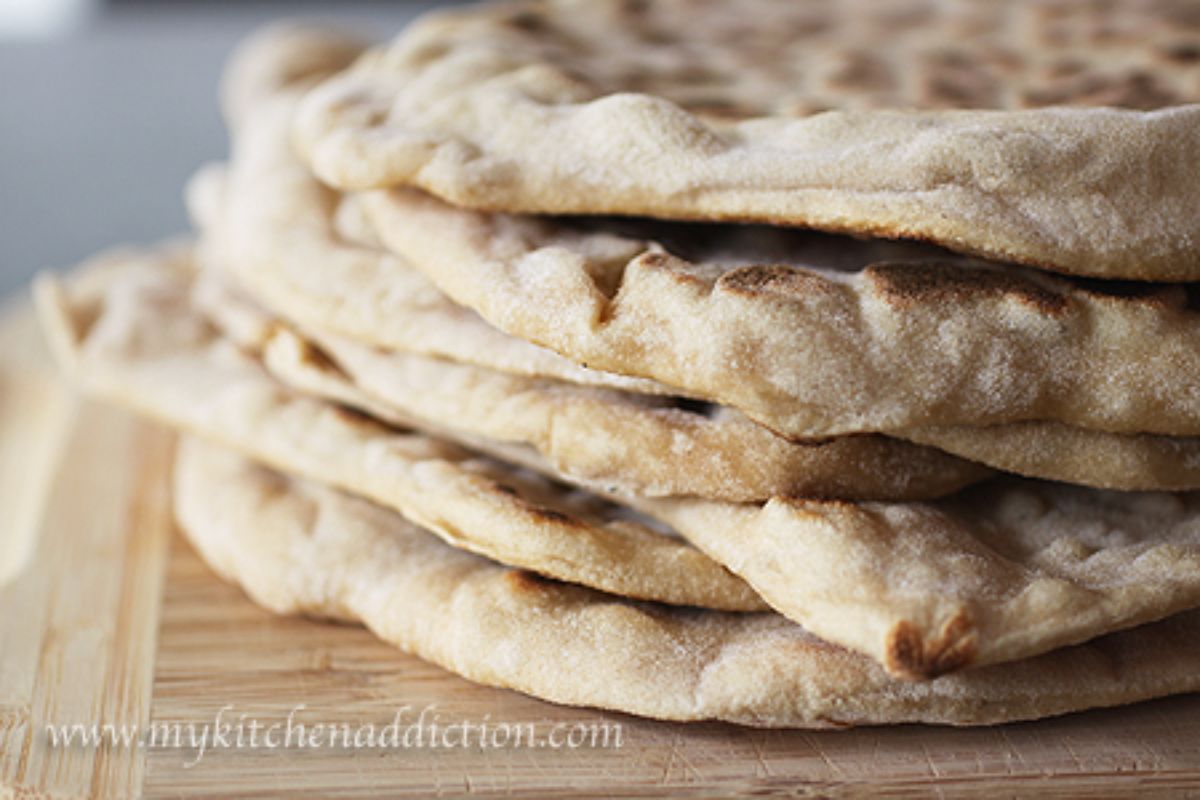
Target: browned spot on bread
[[955, 79], [529, 21], [666, 263], [905, 285], [775, 280], [316, 358], [1135, 89], [552, 515], [653, 260], [1066, 68], [658, 36], [523, 581], [816, 507], [863, 71], [537, 510], [1182, 52], [353, 416], [718, 108], [910, 656]]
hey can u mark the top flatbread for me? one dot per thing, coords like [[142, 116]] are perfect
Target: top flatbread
[[941, 125]]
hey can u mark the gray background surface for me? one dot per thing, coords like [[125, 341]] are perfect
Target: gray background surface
[[100, 128]]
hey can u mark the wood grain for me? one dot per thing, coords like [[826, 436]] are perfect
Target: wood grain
[[113, 619], [81, 611]]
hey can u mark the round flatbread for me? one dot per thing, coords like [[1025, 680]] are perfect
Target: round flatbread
[[1060, 134]]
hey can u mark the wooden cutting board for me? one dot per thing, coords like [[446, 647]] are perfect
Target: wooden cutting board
[[107, 616]]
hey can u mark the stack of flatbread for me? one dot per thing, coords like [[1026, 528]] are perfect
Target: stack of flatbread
[[794, 364]]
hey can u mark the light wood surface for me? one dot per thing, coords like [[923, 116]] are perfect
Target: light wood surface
[[111, 618]]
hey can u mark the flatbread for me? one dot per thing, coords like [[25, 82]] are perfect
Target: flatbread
[[986, 127], [277, 228], [815, 335], [1005, 570], [1052, 451], [1012, 570], [125, 329], [631, 443], [297, 547], [656, 446]]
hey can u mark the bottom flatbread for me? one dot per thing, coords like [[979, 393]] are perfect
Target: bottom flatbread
[[300, 547]]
